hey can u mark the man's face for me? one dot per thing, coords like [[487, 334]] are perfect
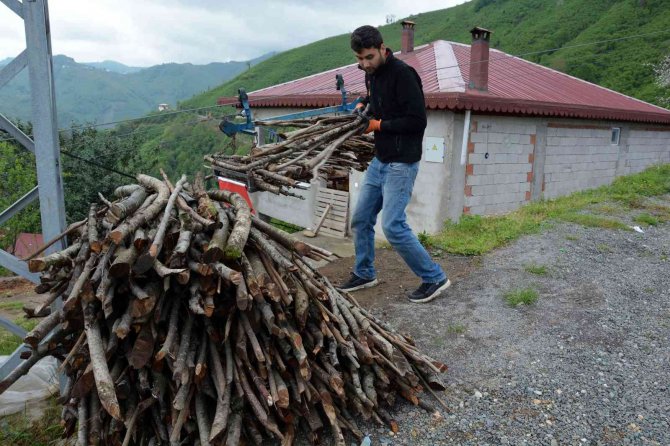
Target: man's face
[[371, 58]]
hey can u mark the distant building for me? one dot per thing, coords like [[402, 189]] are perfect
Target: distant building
[[26, 244], [502, 131], [163, 107]]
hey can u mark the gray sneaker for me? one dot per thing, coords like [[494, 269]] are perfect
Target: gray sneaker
[[428, 291], [357, 283]]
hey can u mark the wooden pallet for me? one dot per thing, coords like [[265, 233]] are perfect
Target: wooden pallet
[[337, 220]]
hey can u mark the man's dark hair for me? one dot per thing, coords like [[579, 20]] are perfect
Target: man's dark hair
[[366, 37]]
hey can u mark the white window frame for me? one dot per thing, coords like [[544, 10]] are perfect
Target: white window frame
[[618, 136]]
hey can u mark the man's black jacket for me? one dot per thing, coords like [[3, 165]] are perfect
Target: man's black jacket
[[396, 97]]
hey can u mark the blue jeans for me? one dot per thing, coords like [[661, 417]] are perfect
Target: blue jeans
[[387, 187]]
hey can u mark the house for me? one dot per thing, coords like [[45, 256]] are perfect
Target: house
[[163, 107], [501, 131], [26, 244]]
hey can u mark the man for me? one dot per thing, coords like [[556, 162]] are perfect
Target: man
[[396, 104]]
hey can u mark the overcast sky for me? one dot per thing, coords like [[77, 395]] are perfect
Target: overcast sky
[[150, 32]]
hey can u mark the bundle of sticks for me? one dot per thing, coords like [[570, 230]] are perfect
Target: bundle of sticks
[[187, 320], [325, 146]]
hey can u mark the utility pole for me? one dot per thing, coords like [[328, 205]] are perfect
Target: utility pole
[[44, 142]]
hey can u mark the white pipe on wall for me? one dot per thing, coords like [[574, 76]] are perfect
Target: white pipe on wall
[[466, 135]]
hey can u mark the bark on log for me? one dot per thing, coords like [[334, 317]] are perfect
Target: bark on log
[[240, 232]]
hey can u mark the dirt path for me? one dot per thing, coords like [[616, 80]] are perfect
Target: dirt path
[[588, 363], [14, 293]]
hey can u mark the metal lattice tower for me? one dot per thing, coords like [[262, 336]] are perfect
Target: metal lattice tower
[[44, 143]]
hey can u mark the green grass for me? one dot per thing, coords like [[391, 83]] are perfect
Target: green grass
[[9, 342], [526, 296], [539, 270], [19, 430], [593, 221], [424, 238], [4, 272], [603, 247], [11, 305], [475, 235], [646, 219], [456, 329], [608, 209]]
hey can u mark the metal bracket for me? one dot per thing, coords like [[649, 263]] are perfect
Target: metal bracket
[[231, 128], [19, 205], [12, 327]]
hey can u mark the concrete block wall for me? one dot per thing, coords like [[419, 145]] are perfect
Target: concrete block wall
[[513, 160], [646, 147], [499, 169], [578, 156]]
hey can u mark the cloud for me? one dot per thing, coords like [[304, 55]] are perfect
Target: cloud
[[153, 32]]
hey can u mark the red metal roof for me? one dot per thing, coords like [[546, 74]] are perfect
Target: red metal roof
[[26, 244], [516, 86]]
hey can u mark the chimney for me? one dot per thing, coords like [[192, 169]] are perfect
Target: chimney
[[479, 59], [407, 40]]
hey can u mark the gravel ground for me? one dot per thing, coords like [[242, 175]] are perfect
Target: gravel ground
[[587, 364]]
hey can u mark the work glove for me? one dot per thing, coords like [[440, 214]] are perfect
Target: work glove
[[374, 125], [359, 109]]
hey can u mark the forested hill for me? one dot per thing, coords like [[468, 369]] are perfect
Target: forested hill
[[109, 91]]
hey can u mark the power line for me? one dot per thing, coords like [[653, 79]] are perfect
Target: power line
[[162, 114], [93, 163]]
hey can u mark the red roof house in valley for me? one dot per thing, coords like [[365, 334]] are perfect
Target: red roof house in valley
[[26, 244], [502, 131]]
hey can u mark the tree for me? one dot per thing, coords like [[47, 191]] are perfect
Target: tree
[[17, 177], [662, 72], [96, 154]]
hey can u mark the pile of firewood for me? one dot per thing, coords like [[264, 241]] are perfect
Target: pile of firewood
[[187, 320], [325, 146]]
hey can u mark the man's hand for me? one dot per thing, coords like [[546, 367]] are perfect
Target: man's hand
[[374, 125], [359, 109]]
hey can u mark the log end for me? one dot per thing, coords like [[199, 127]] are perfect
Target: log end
[[441, 366], [183, 277], [212, 255], [302, 248], [32, 340], [119, 270], [140, 244], [161, 354], [394, 426], [36, 265], [117, 236], [144, 263], [115, 411]]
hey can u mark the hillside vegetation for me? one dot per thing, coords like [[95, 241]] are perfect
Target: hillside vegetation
[[85, 93], [519, 27]]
